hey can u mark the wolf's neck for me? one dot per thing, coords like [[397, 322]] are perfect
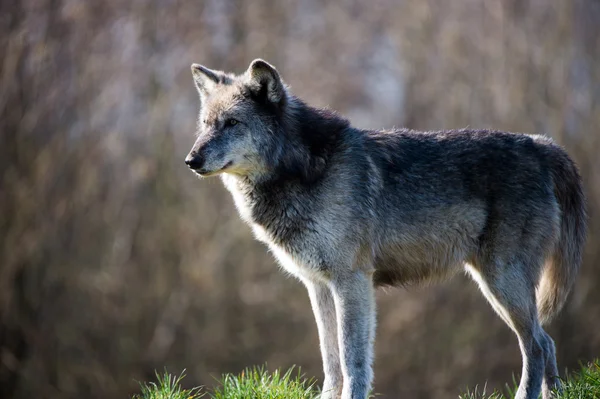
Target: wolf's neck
[[311, 123], [269, 205], [310, 137], [241, 189]]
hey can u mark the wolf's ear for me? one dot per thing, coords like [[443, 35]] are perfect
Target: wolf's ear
[[265, 79], [205, 79]]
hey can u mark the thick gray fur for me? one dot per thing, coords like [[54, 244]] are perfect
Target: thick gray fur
[[346, 210]]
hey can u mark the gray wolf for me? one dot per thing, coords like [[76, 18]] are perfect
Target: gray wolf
[[347, 210]]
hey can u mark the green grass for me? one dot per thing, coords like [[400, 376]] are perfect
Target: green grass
[[584, 384], [167, 386], [258, 383], [252, 383]]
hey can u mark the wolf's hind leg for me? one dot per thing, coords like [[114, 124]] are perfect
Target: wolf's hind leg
[[513, 298], [321, 299], [354, 297], [551, 380]]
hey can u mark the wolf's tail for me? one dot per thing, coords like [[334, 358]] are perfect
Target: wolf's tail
[[562, 265]]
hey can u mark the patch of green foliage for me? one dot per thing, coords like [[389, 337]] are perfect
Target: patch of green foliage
[[252, 383], [584, 384], [167, 386], [258, 383]]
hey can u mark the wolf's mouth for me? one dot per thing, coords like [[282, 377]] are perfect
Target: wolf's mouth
[[207, 173]]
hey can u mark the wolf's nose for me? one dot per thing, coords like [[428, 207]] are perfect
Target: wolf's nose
[[194, 160]]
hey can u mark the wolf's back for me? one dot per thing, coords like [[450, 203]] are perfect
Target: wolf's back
[[563, 264]]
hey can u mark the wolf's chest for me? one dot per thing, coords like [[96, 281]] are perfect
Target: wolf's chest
[[300, 258], [291, 260], [292, 245]]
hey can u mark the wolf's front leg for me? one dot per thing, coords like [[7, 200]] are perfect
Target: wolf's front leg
[[321, 299], [353, 293]]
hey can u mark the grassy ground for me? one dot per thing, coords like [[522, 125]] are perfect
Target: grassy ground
[[257, 383], [584, 384], [252, 383]]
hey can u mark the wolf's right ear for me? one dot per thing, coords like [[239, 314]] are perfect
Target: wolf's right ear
[[204, 78]]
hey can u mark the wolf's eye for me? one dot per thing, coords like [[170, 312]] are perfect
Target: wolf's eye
[[230, 122]]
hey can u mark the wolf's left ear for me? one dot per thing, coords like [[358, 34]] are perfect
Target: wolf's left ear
[[264, 78], [205, 79]]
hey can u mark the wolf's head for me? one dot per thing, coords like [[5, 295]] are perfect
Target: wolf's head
[[250, 125], [240, 120]]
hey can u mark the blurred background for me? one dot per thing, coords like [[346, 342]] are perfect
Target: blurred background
[[115, 260]]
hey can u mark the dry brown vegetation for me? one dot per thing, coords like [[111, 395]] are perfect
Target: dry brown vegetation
[[116, 261]]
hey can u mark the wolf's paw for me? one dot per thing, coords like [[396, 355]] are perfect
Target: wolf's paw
[[551, 388], [330, 391]]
